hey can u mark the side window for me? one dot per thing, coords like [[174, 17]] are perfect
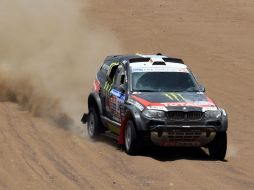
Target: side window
[[120, 77], [102, 73], [111, 75]]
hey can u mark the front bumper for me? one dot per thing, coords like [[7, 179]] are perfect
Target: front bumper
[[182, 133], [191, 128], [182, 136]]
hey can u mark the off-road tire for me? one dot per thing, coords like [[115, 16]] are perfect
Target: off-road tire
[[218, 147], [133, 140], [93, 124]]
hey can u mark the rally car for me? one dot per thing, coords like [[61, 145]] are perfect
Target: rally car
[[144, 99]]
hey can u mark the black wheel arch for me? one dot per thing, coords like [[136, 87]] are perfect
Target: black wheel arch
[[135, 115], [224, 121], [95, 102]]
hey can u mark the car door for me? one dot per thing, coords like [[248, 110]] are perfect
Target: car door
[[117, 94], [101, 77], [110, 80]]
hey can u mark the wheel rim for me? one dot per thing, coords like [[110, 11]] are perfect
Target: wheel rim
[[128, 137], [91, 124]]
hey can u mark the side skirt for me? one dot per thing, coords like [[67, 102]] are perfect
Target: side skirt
[[113, 126]]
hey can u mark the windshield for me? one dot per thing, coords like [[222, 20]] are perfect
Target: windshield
[[163, 82]]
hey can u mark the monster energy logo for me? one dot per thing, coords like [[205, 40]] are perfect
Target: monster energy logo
[[175, 97], [108, 85]]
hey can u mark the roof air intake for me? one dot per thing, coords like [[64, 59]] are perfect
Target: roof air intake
[[140, 59], [173, 60], [159, 63]]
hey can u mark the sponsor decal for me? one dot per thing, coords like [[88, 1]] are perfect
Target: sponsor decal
[[136, 104], [120, 96], [137, 70], [174, 102], [163, 108], [193, 104], [137, 93], [158, 69], [115, 92], [208, 108], [139, 106]]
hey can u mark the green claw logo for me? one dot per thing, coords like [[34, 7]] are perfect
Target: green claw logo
[[175, 97], [108, 85]]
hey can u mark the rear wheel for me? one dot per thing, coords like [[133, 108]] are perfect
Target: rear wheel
[[133, 141], [93, 124], [218, 147]]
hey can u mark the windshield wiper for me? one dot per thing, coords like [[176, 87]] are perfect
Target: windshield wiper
[[146, 90], [191, 90]]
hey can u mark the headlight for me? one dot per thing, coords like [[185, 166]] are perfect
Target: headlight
[[213, 114], [154, 114], [223, 112]]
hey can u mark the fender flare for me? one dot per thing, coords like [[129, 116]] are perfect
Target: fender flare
[[135, 114], [224, 121], [94, 98]]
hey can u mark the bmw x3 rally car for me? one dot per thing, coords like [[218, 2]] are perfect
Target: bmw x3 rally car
[[144, 99]]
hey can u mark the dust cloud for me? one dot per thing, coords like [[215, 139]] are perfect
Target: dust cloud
[[49, 54]]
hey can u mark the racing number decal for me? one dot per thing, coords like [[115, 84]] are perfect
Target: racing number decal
[[116, 100]]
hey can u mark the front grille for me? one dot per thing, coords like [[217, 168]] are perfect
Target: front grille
[[184, 136], [185, 116]]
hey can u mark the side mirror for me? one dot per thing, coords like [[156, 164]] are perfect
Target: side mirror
[[201, 88], [122, 79], [121, 88]]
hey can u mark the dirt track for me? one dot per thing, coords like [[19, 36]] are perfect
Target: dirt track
[[215, 38]]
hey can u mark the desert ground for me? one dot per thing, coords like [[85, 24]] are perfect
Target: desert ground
[[216, 40]]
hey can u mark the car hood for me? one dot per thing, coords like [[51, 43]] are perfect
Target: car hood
[[174, 100]]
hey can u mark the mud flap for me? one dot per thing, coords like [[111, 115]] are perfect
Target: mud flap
[[124, 121], [122, 131], [84, 118]]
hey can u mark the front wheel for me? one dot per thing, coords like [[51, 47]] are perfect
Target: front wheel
[[133, 141], [218, 147]]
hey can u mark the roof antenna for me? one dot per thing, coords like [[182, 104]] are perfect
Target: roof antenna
[[159, 54]]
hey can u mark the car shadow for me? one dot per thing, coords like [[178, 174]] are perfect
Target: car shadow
[[163, 154], [175, 153]]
